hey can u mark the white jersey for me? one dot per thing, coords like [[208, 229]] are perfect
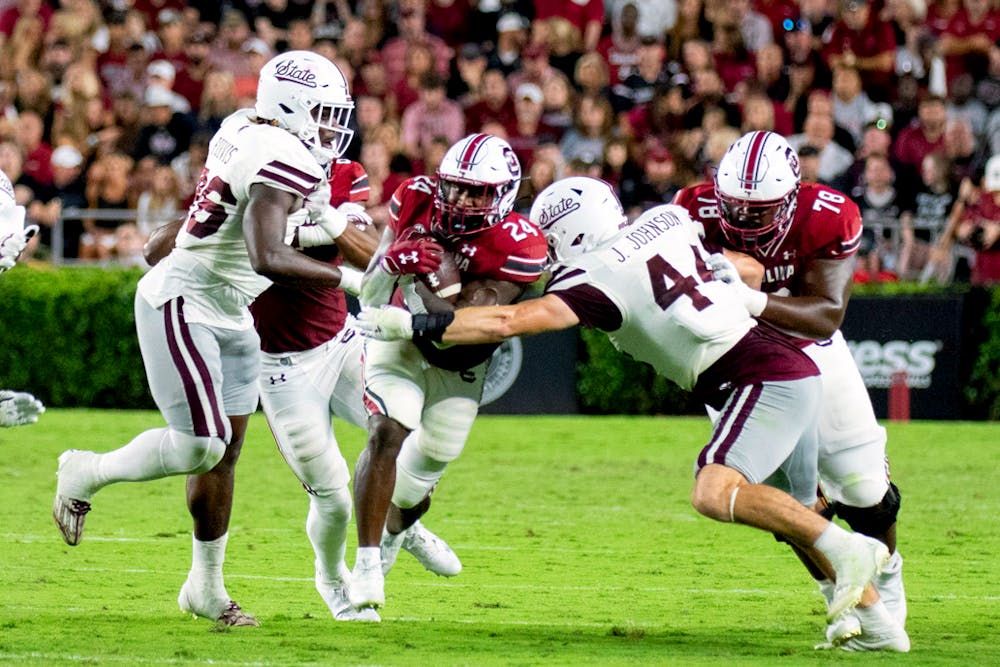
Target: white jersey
[[209, 265], [674, 315]]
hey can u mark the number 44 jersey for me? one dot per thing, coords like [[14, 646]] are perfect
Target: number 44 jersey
[[649, 288]]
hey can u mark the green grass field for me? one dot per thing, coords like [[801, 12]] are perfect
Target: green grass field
[[577, 539]]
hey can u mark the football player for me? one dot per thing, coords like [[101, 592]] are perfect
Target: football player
[[806, 235], [16, 407], [650, 286], [466, 210], [195, 330]]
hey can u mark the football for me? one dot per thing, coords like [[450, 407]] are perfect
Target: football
[[446, 282]]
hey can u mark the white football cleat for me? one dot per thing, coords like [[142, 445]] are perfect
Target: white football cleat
[[889, 584], [335, 594], [390, 547], [72, 501], [855, 569], [367, 586], [431, 551], [220, 609], [879, 632], [843, 626]]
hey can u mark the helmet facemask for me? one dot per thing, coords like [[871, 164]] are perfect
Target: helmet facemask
[[755, 226], [332, 118], [465, 206]]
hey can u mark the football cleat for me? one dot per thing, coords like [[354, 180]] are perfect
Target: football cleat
[[854, 570], [430, 551], [879, 632], [390, 546], [334, 593], [843, 626], [71, 504], [367, 586], [222, 610], [889, 584]]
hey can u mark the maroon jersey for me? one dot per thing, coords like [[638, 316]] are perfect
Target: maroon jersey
[[826, 225], [512, 250], [294, 319]]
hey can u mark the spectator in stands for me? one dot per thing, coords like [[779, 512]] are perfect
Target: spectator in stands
[[821, 102], [467, 76], [541, 174], [919, 139], [967, 39], [188, 166], [730, 56], [511, 39], [433, 115], [162, 74], [66, 191], [708, 98], [160, 203], [691, 26], [559, 102], [658, 185], [759, 114], [809, 163], [592, 125], [529, 132], [126, 122], [21, 9], [881, 207], [494, 103], [413, 30], [861, 39], [81, 88], [770, 73], [979, 226], [834, 159], [621, 170], [173, 33], [37, 152], [779, 13], [190, 81], [912, 32], [226, 54], [754, 28], [620, 47], [434, 154], [648, 75], [925, 218], [419, 63], [107, 188], [165, 134], [852, 108], [961, 104], [535, 67], [591, 75], [569, 29], [960, 147]]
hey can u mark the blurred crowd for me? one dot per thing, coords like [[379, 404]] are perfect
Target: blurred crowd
[[110, 104]]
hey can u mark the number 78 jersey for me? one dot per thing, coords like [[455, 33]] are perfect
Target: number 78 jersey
[[826, 225], [671, 313]]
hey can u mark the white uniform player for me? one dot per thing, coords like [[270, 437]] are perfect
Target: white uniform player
[[650, 285], [16, 407], [196, 334]]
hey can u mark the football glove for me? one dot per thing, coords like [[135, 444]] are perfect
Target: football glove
[[12, 244], [410, 256], [386, 323], [724, 270], [18, 408]]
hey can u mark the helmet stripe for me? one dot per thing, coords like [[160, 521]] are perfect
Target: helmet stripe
[[752, 163], [468, 155]]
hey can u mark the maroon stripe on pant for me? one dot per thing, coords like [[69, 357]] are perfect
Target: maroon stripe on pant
[[735, 428], [206, 377], [190, 388]]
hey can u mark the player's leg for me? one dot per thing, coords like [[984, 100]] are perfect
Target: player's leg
[[451, 406], [394, 397], [184, 373], [761, 426], [295, 394], [210, 494], [852, 463]]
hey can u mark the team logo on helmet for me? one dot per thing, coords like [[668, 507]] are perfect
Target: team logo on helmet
[[555, 211], [288, 70]]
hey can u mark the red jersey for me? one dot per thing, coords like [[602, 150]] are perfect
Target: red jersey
[[294, 319], [513, 250], [826, 225]]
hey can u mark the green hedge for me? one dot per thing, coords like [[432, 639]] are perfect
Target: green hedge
[[68, 336]]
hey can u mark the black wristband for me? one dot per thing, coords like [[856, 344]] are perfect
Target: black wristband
[[431, 325]]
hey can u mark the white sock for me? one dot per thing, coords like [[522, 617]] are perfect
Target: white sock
[[138, 461], [369, 557], [875, 615], [207, 559], [892, 567], [326, 526], [833, 542]]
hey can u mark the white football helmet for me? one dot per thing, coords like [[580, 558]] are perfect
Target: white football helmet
[[577, 214], [757, 185], [477, 184], [307, 95]]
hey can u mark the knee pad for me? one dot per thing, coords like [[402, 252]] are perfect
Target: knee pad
[[872, 520], [191, 454], [416, 473], [335, 505]]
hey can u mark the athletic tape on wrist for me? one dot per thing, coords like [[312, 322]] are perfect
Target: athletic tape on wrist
[[431, 325]]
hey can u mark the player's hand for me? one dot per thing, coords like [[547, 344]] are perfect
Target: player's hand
[[13, 244], [356, 214], [723, 269], [410, 256], [18, 408], [386, 323]]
